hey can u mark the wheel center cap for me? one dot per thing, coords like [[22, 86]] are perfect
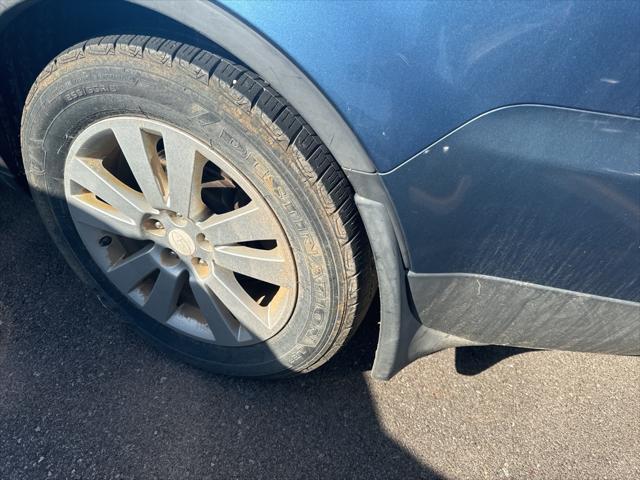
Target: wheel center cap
[[181, 242]]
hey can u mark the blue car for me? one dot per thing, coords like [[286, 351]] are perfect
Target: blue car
[[241, 179]]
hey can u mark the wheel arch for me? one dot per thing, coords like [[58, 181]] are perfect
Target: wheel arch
[[207, 21]]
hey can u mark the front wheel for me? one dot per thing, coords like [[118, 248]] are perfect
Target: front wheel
[[197, 200]]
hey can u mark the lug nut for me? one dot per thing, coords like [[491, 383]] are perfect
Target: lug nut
[[172, 253], [158, 225], [201, 267], [105, 241]]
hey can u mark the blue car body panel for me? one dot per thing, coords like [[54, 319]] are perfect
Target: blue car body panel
[[404, 74], [539, 194]]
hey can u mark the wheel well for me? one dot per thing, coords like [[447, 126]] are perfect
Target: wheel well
[[58, 25]]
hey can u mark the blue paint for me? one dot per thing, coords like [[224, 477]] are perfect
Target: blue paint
[[403, 74], [539, 194]]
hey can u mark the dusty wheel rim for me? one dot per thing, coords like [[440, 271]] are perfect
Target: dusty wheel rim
[[180, 231]]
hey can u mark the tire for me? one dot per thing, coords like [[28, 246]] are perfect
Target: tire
[[239, 117]]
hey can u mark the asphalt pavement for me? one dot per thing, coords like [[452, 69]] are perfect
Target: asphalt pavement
[[81, 396]]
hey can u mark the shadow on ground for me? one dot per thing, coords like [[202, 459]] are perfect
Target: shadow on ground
[[81, 396], [475, 360]]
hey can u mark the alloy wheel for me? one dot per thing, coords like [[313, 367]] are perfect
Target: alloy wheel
[[180, 231]]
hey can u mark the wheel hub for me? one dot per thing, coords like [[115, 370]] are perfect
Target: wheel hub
[[180, 231], [183, 238]]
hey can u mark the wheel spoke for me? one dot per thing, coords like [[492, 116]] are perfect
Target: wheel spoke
[[139, 149], [225, 184], [90, 174], [129, 272], [266, 265], [162, 300], [184, 168], [87, 210], [219, 323], [248, 223], [244, 308]]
